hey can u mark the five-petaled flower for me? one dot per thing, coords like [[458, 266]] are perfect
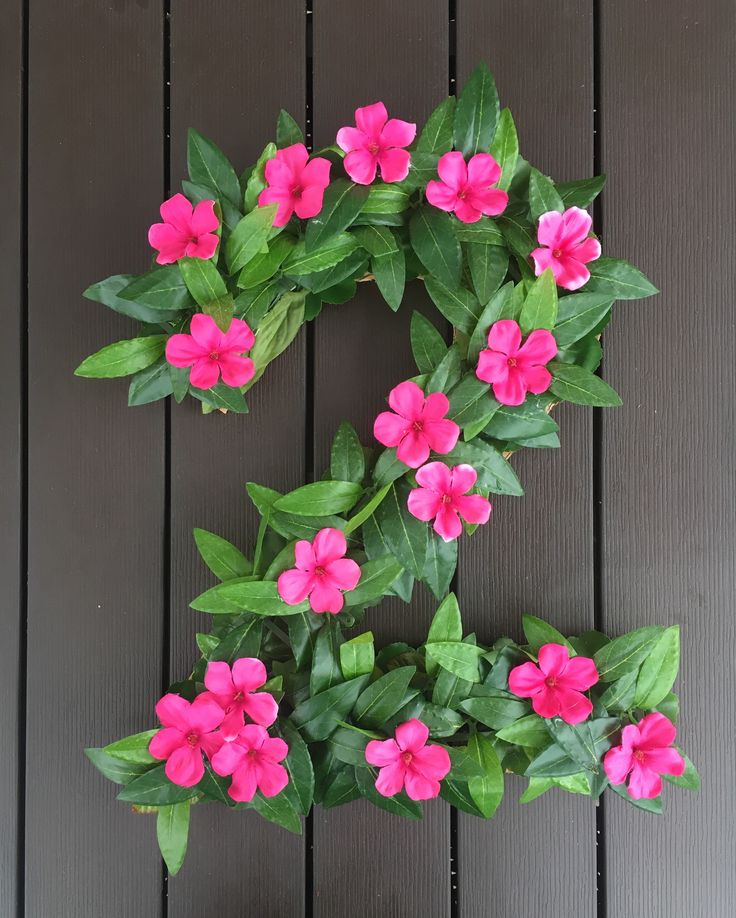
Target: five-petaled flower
[[377, 141], [566, 247], [408, 761], [185, 230], [235, 691], [466, 189], [210, 352], [416, 425], [296, 185], [187, 733], [253, 760], [513, 368], [556, 685], [322, 573], [645, 753], [442, 497]]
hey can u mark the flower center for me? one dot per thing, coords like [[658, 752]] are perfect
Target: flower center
[[446, 499], [639, 755], [557, 253], [550, 681], [193, 739], [511, 361], [238, 696], [214, 355], [373, 148], [296, 191], [418, 426], [319, 571], [406, 757], [252, 753]]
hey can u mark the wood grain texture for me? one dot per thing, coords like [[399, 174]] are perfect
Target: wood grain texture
[[536, 555], [361, 351], [11, 456], [669, 492], [95, 512], [260, 53]]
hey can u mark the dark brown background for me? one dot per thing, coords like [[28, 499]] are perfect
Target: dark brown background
[[631, 522]]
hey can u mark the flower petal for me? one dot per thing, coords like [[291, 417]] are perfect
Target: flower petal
[[576, 224], [413, 449], [553, 658], [543, 259], [492, 366], [173, 711], [248, 674], [325, 598], [205, 373], [447, 523], [350, 138], [165, 742], [203, 246], [204, 218], [441, 195], [329, 545], [294, 585], [432, 761], [182, 350], [309, 203], [526, 680], [360, 165], [245, 782], [412, 735], [463, 478], [453, 171], [588, 250], [550, 229], [382, 752], [441, 435], [540, 347], [580, 673], [390, 779], [574, 707], [261, 707], [617, 763], [316, 173], [371, 119], [343, 573], [293, 157], [644, 783], [185, 766], [436, 476], [546, 703], [238, 337], [483, 170], [394, 165], [177, 211], [423, 504], [491, 202], [474, 509], [389, 428], [272, 777], [665, 761], [572, 274], [466, 212], [512, 390], [436, 406], [420, 788], [169, 241], [505, 337], [236, 371], [304, 556], [274, 748], [283, 199], [205, 714], [228, 758], [218, 679], [407, 399], [205, 332], [655, 731], [398, 133]]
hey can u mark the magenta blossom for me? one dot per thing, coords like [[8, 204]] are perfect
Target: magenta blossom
[[466, 187], [407, 761], [253, 760], [645, 753], [235, 691], [417, 426], [322, 573], [567, 247], [556, 685], [443, 498], [185, 230], [297, 186], [210, 352], [376, 141], [188, 732], [514, 368]]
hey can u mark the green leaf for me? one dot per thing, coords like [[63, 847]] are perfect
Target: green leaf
[[440, 564], [552, 762], [376, 578], [494, 472], [253, 304], [484, 231], [405, 535], [288, 131], [300, 261], [498, 307], [540, 306], [390, 274], [151, 384], [343, 201], [153, 788], [279, 810], [618, 279], [471, 401], [619, 696], [347, 461], [317, 717], [264, 265], [383, 698], [437, 134], [575, 384], [519, 234], [277, 331], [203, 280], [626, 653], [320, 498], [343, 788], [326, 670], [427, 344], [349, 746], [399, 804], [537, 632], [386, 199], [299, 765], [458, 658], [520, 422], [161, 289], [542, 195], [459, 306], [114, 768], [457, 794], [224, 560], [209, 166], [578, 314], [122, 358], [689, 779], [447, 624], [172, 832], [376, 240], [659, 670], [495, 710], [368, 510], [357, 656], [257, 179], [222, 396], [241, 641], [505, 148], [245, 595], [249, 237], [529, 732], [670, 707], [650, 806], [447, 372], [477, 113], [581, 193], [486, 791], [436, 245], [488, 266], [107, 291], [133, 749]]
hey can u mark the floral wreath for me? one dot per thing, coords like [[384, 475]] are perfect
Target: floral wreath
[[284, 709]]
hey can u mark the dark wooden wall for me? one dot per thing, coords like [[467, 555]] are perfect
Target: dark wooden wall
[[631, 521]]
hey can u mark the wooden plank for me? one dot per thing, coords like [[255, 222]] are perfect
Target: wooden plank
[[95, 467], [669, 501], [536, 555], [362, 53], [11, 414], [255, 56]]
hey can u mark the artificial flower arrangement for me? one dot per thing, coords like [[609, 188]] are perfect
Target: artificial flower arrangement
[[284, 709]]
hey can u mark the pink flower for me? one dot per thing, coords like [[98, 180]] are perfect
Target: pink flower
[[253, 761], [210, 351], [417, 426], [569, 247], [297, 186], [235, 691], [188, 732], [466, 188], [645, 753], [442, 498], [322, 572], [514, 368], [409, 762], [555, 686], [185, 230], [376, 141]]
